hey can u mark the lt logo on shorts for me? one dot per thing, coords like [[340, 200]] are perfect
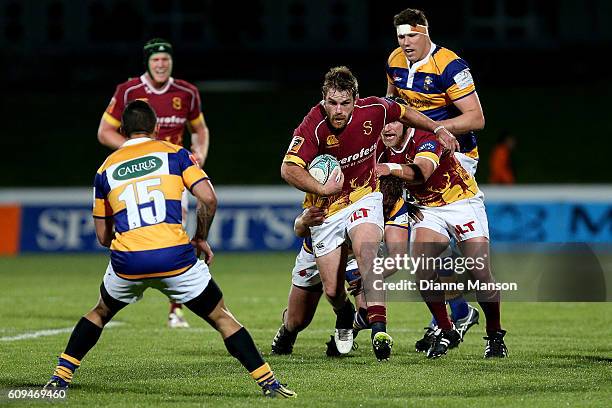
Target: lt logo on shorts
[[358, 214], [469, 226]]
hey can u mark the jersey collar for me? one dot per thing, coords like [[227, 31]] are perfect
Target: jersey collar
[[131, 142], [156, 91], [408, 137]]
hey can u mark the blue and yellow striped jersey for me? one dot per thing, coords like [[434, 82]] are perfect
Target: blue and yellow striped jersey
[[140, 186], [432, 85]]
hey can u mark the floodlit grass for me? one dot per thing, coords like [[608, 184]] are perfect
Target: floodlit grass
[[560, 353]]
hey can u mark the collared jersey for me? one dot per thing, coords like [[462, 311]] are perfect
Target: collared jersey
[[448, 183], [175, 104], [432, 85], [140, 187], [354, 146]]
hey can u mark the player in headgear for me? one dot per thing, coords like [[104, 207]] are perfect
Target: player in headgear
[[178, 108]]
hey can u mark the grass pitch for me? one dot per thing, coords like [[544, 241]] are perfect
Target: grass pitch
[[560, 353]]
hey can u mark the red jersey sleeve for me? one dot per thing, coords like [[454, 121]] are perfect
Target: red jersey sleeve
[[427, 146], [115, 108], [305, 145], [393, 110]]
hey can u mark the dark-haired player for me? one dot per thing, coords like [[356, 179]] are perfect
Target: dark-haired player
[[177, 106], [438, 83], [137, 214], [452, 207], [348, 128]]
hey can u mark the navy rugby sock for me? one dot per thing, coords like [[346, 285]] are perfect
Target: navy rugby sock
[[459, 308], [242, 347], [84, 336]]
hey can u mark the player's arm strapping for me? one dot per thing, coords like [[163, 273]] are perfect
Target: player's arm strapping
[[414, 173]]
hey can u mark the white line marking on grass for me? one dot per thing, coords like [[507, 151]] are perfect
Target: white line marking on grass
[[49, 332]]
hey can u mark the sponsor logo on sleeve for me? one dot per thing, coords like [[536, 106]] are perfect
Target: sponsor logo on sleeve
[[296, 144], [427, 147], [464, 79]]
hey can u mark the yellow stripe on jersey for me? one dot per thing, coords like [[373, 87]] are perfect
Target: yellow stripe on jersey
[[171, 186], [456, 93], [192, 174], [289, 158], [154, 274], [110, 120], [101, 208], [429, 155], [398, 206], [150, 237], [472, 153], [421, 101], [199, 119]]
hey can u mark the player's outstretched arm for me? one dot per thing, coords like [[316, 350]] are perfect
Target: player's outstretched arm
[[109, 136], [414, 173], [299, 178], [207, 206], [414, 118], [104, 230], [471, 117], [310, 217]]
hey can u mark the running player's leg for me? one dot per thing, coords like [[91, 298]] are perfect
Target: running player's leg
[[88, 329], [210, 306], [301, 308], [477, 248]]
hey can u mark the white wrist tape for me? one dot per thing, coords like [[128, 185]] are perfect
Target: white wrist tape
[[439, 128], [394, 166]]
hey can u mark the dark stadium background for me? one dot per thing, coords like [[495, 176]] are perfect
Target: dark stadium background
[[259, 64]]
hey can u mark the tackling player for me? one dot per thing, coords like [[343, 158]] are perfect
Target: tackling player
[[137, 214], [452, 207], [438, 83], [348, 128], [177, 106]]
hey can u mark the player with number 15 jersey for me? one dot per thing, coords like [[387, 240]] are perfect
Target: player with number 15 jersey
[[140, 186]]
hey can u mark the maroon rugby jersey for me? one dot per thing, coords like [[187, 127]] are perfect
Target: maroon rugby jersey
[[354, 146], [448, 183], [174, 104]]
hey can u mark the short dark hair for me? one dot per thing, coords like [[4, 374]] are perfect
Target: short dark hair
[[138, 117], [410, 16], [342, 79]]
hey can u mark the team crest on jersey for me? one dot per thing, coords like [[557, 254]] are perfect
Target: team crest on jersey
[[177, 103], [427, 83], [295, 144], [332, 141], [427, 147], [367, 127]]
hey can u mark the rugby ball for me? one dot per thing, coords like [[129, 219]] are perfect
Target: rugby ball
[[321, 167]]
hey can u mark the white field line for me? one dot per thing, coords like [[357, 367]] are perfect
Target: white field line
[[49, 332]]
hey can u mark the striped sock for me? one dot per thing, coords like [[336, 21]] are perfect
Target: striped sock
[[263, 375], [66, 367]]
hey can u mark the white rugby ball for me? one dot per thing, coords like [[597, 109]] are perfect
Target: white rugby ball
[[321, 167]]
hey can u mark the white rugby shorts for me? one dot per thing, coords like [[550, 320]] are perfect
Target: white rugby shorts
[[180, 289], [461, 220], [305, 272], [334, 230]]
